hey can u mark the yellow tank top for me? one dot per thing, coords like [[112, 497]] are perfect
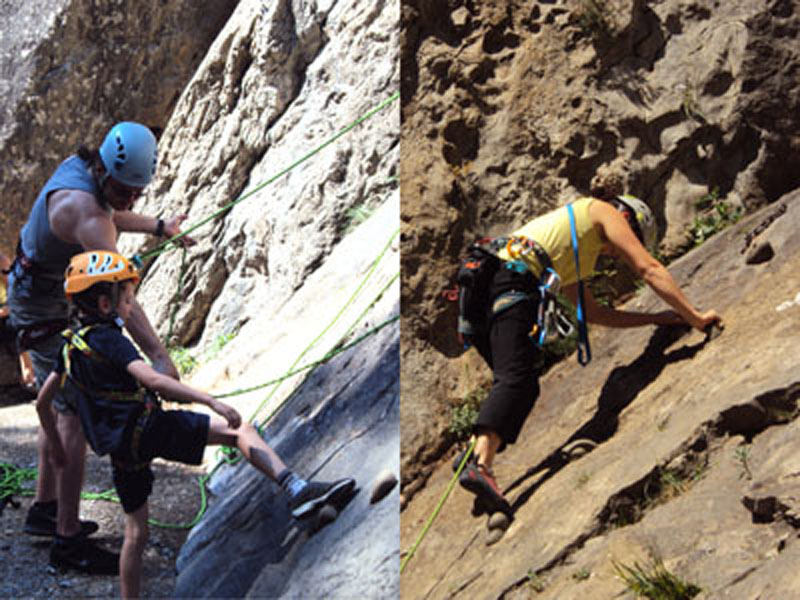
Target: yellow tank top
[[552, 232]]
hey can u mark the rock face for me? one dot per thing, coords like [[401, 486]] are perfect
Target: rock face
[[286, 264], [292, 108], [512, 109], [342, 422], [690, 458], [72, 68], [280, 81]]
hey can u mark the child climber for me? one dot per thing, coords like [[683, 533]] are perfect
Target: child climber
[[120, 412]]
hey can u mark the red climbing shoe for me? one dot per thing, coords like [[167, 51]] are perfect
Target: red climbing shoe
[[480, 481]]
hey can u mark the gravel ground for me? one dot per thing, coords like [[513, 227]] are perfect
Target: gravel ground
[[24, 568]]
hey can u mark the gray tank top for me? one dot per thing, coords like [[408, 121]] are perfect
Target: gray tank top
[[50, 254]]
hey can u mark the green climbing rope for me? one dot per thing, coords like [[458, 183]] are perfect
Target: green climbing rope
[[346, 305], [438, 508], [12, 478], [170, 243]]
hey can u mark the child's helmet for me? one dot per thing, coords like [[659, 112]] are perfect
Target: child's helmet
[[641, 218], [98, 266], [129, 154]]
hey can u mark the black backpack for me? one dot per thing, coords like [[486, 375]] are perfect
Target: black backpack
[[474, 278]]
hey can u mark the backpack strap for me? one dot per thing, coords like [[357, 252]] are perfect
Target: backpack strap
[[584, 351]]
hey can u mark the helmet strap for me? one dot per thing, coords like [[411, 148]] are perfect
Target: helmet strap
[[100, 181], [630, 217]]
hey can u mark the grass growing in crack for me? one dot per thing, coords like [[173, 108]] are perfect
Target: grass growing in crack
[[357, 215], [742, 455], [689, 103], [662, 485], [183, 359], [535, 582], [715, 215], [654, 581], [219, 343], [581, 574], [592, 18], [674, 482], [464, 416]]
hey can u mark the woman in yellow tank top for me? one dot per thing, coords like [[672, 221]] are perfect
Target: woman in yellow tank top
[[607, 223]]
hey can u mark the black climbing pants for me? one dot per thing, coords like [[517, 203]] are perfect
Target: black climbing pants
[[511, 354]]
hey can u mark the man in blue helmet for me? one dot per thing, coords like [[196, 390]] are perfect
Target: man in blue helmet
[[84, 205]]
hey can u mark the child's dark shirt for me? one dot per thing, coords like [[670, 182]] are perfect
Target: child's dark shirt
[[105, 420]]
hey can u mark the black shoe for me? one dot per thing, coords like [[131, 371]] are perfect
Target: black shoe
[[316, 494], [83, 555], [41, 520]]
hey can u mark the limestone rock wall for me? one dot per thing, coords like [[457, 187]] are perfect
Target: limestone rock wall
[[513, 108], [72, 68], [280, 80], [668, 446], [284, 278]]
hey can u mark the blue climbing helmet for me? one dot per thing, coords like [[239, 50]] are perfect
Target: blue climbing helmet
[[129, 154]]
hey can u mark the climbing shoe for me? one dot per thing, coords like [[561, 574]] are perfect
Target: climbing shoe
[[316, 494], [457, 460], [41, 520], [479, 480], [83, 555]]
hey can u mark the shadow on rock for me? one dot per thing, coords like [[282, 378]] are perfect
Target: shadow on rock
[[621, 388]]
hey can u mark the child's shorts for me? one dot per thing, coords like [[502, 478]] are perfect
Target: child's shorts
[[175, 435]]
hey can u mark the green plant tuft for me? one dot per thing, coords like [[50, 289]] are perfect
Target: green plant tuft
[[715, 216], [464, 416], [592, 18], [742, 454], [535, 582], [654, 581], [356, 216], [183, 359], [219, 343], [581, 574]]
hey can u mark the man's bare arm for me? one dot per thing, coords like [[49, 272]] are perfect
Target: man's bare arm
[[131, 222], [97, 232]]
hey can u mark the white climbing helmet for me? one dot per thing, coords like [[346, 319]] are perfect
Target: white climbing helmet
[[643, 220]]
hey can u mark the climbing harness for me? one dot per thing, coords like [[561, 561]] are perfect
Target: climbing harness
[[76, 342], [474, 278], [584, 350]]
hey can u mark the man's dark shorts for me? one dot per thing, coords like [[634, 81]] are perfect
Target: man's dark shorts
[[175, 435]]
